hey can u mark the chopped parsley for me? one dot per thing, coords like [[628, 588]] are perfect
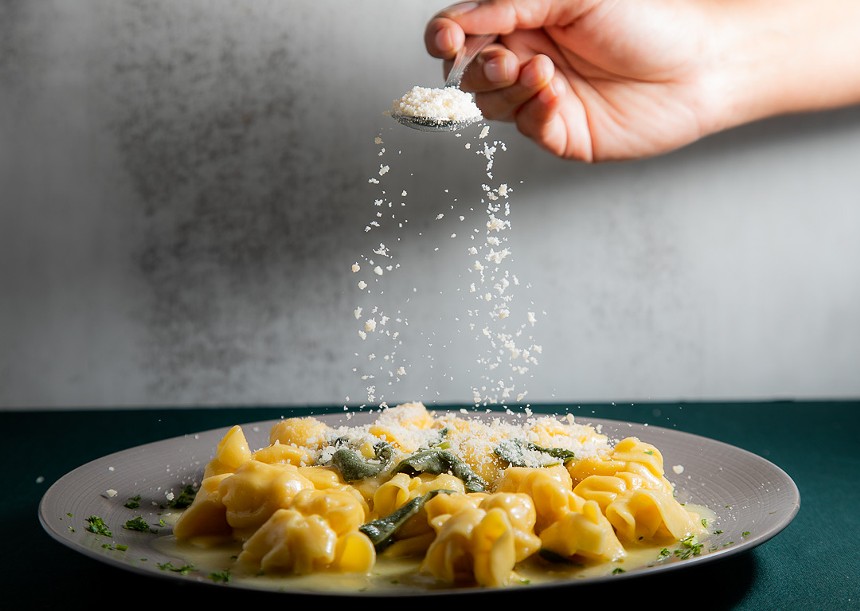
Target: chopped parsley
[[745, 534], [220, 576], [168, 566], [617, 570], [138, 524], [133, 502], [690, 546], [184, 498], [97, 525]]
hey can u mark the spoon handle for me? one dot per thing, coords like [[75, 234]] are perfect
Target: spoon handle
[[468, 52]]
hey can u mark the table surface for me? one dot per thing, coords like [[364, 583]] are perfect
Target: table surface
[[813, 564]]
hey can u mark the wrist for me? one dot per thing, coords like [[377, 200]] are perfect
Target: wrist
[[767, 60]]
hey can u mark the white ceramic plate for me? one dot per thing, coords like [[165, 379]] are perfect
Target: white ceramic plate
[[753, 498]]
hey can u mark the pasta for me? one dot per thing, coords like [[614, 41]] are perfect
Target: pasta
[[486, 502]]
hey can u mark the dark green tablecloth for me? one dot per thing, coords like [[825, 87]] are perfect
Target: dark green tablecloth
[[813, 564]]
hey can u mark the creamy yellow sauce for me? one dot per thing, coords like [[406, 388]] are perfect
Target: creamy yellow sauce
[[391, 574]]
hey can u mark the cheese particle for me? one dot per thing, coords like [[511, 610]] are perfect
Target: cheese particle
[[495, 224], [498, 256]]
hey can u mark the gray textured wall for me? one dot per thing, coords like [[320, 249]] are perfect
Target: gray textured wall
[[185, 185]]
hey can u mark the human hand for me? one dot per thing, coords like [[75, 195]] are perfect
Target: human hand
[[589, 80]]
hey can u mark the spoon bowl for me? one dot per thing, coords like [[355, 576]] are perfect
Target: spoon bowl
[[431, 124], [470, 50]]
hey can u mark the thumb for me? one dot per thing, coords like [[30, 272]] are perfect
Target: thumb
[[446, 31], [505, 16]]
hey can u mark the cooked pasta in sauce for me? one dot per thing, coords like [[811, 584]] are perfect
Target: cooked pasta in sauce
[[435, 499]]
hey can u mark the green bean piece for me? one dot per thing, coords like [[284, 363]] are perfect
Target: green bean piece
[[436, 462], [353, 466], [381, 531], [512, 451]]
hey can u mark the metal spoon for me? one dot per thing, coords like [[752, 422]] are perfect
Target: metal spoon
[[470, 50]]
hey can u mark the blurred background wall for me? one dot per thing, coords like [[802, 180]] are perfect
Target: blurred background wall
[[185, 186]]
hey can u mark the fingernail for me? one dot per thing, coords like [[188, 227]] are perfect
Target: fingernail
[[529, 77], [548, 94], [444, 41], [460, 9], [496, 70]]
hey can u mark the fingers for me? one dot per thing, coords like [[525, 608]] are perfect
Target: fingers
[[443, 38], [445, 33], [505, 16], [515, 79], [557, 121], [503, 100], [538, 119], [496, 67], [542, 106]]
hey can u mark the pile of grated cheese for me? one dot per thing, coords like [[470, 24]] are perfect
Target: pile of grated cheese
[[469, 435], [447, 103]]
